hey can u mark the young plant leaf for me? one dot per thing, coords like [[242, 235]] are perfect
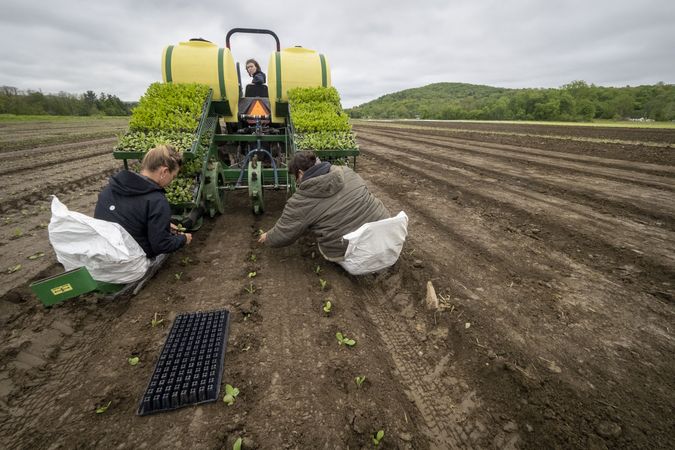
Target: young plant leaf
[[327, 307], [134, 360], [377, 437], [323, 283], [14, 268], [237, 444], [37, 255], [155, 321], [252, 274], [359, 380], [103, 408], [230, 394]]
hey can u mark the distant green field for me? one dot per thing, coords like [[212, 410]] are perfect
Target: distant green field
[[45, 118], [595, 123]]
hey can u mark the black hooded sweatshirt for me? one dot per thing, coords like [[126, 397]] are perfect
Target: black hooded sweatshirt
[[139, 205]]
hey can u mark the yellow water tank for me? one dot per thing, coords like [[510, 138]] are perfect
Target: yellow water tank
[[294, 67], [203, 62]]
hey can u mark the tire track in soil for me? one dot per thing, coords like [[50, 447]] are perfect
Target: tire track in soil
[[618, 196], [482, 269], [433, 378]]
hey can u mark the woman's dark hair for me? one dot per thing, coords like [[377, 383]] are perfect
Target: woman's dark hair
[[301, 161], [255, 63]]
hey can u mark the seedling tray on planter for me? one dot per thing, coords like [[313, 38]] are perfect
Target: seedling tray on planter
[[190, 367]]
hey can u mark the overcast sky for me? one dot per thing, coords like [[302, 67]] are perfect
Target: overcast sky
[[374, 47]]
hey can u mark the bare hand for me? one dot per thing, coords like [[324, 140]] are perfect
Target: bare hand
[[188, 236], [262, 238]]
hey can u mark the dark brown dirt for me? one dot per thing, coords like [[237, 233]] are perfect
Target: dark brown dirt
[[554, 267]]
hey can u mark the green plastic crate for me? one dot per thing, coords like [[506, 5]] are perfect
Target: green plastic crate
[[70, 284]]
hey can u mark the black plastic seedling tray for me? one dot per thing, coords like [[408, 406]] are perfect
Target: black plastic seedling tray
[[190, 367]]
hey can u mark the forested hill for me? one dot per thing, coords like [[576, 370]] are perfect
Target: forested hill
[[576, 101]]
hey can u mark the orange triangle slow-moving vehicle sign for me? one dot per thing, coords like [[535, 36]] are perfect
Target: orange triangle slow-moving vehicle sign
[[258, 109]]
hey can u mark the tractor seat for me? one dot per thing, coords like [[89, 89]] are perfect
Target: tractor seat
[[256, 90]]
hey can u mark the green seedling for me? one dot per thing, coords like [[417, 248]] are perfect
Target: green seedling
[[237, 444], [260, 232], [37, 255], [186, 261], [327, 307], [178, 275], [377, 437], [359, 381], [344, 340], [323, 284], [134, 360], [155, 321], [180, 228], [230, 394], [252, 274], [250, 289], [14, 268], [103, 408], [18, 232], [317, 270]]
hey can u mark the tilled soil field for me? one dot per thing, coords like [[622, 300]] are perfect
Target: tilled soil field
[[552, 256]]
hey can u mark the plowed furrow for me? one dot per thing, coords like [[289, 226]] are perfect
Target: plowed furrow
[[24, 188], [656, 247], [646, 204], [35, 158], [648, 174]]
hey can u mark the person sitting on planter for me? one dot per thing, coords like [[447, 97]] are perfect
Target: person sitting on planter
[[137, 202], [335, 204], [254, 71]]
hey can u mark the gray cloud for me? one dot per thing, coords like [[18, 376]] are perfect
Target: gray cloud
[[374, 47]]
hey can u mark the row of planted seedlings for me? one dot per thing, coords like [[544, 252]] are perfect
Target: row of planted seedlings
[[170, 114], [231, 392], [319, 124], [343, 340]]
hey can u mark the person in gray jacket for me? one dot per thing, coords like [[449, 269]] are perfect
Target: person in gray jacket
[[330, 201]]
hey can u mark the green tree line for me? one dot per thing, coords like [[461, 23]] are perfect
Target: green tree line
[[574, 102], [14, 101]]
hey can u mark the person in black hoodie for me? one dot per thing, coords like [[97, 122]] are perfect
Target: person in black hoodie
[[255, 72], [137, 202]]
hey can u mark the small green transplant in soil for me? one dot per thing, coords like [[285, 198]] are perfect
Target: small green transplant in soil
[[344, 340], [231, 393], [359, 380], [155, 321], [377, 437]]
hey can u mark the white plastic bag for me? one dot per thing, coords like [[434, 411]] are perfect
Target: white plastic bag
[[376, 245], [106, 249]]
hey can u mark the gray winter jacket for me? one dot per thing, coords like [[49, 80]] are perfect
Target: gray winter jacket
[[331, 206]]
